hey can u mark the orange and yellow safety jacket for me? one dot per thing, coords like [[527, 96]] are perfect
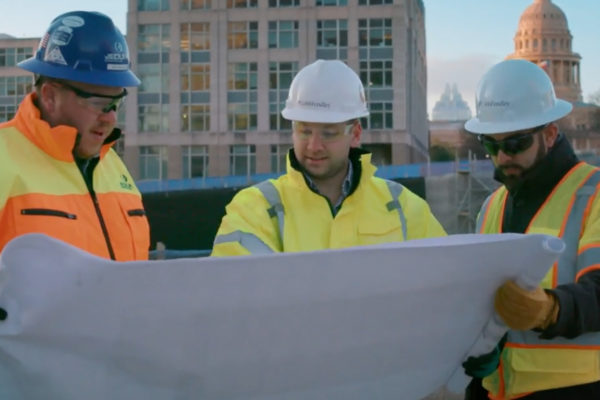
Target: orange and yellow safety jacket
[[285, 215], [43, 191], [529, 363]]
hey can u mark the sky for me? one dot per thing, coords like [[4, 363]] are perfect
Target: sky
[[464, 37]]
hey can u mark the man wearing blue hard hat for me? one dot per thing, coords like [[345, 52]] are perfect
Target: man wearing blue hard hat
[[58, 172]]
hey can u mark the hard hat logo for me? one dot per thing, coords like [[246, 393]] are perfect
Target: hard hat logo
[[314, 104], [492, 103], [334, 84], [73, 21], [55, 56], [62, 36]]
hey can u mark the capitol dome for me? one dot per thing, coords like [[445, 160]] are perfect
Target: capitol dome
[[543, 37]]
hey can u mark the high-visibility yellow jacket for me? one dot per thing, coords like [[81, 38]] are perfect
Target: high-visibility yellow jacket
[[528, 363], [285, 215], [42, 190]]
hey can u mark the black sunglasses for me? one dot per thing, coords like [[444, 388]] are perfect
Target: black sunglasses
[[104, 106], [512, 145]]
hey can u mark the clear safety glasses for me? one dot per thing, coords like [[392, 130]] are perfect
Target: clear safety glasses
[[100, 103], [512, 145], [328, 133]]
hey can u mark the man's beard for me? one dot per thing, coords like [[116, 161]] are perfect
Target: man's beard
[[514, 180]]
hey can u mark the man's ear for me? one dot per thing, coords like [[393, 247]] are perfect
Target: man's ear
[[550, 134], [356, 132], [48, 97]]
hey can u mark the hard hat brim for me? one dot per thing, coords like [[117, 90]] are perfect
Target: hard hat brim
[[124, 78], [560, 109]]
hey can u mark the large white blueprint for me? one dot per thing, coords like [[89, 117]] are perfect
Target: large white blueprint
[[380, 322]]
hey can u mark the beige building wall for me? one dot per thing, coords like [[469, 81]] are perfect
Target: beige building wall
[[15, 82], [406, 139]]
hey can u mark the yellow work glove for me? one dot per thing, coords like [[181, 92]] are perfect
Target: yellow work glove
[[523, 310]]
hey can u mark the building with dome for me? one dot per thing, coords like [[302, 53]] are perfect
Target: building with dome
[[451, 106], [543, 37]]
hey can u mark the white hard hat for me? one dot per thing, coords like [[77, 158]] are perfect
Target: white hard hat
[[515, 95], [326, 92]]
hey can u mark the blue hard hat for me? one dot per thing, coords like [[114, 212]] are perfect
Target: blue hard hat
[[83, 46]]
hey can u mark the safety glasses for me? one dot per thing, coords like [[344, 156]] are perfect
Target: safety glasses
[[98, 102], [512, 145], [328, 133]]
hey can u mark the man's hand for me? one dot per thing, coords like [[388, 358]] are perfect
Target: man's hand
[[524, 310]]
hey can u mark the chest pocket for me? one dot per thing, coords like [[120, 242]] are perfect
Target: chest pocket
[[380, 230], [387, 228]]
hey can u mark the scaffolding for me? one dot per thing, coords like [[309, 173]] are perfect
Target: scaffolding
[[473, 186]]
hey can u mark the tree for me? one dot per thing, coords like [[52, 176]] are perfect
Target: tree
[[440, 153], [594, 97]]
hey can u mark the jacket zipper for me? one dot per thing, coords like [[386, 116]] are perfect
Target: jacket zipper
[[102, 225]]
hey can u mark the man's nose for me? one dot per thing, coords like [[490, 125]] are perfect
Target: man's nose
[[315, 141]]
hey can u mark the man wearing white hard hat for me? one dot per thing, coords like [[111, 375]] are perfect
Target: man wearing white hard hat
[[553, 348], [329, 197]]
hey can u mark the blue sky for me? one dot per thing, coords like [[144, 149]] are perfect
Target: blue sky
[[464, 37]]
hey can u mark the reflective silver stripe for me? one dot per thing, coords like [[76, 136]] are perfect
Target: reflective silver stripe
[[249, 241], [269, 191], [567, 263], [482, 212], [588, 258], [395, 190]]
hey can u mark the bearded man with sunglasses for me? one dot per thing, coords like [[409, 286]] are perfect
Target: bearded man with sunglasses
[[552, 350], [58, 173], [329, 198]]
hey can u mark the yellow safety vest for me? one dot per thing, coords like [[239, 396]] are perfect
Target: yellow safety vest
[[530, 364], [284, 215]]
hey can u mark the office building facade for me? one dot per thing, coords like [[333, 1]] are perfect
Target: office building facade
[[215, 76]]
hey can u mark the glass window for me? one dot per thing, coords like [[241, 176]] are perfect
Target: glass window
[[280, 78], [154, 77], [375, 32], [284, 3], [153, 38], [242, 3], [242, 116], [242, 35], [195, 77], [7, 112], [242, 76], [278, 157], [242, 107], [195, 36], [153, 118], [195, 117], [153, 5], [331, 2], [283, 34], [195, 4], [332, 33], [380, 116], [10, 56], [194, 161], [376, 73], [153, 162], [374, 2], [242, 159]]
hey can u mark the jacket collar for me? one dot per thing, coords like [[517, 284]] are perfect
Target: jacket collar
[[59, 141]]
